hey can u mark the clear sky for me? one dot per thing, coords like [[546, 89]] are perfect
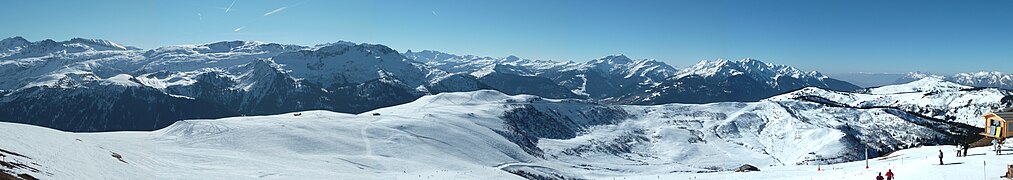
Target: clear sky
[[829, 36]]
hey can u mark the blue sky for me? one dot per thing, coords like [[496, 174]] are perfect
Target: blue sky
[[829, 36]]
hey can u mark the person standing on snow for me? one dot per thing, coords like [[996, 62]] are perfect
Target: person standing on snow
[[940, 157], [958, 150], [889, 174], [998, 148], [995, 146], [965, 148], [879, 176]]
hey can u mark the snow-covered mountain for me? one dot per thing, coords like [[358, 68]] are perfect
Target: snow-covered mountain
[[741, 80], [619, 79], [603, 78], [96, 85], [18, 47], [613, 76], [511, 75], [984, 79], [486, 135], [914, 76], [977, 79], [929, 97]]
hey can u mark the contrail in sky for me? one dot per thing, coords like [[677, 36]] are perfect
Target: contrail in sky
[[239, 29], [230, 6], [275, 11]]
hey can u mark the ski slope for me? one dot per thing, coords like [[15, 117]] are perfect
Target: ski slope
[[915, 163], [315, 145]]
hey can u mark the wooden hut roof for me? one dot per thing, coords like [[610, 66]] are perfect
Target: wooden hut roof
[[1005, 115]]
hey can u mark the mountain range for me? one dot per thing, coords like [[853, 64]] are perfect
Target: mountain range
[[98, 85], [350, 110], [619, 79], [976, 79]]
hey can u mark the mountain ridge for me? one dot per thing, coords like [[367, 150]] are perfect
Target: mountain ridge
[[256, 78]]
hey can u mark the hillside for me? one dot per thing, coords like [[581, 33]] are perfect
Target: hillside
[[483, 134]]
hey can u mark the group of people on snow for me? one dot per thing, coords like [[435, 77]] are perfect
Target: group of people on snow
[[889, 175], [962, 150]]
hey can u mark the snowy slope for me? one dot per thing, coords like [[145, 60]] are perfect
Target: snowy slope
[[480, 135], [929, 97], [929, 84], [916, 163], [314, 145]]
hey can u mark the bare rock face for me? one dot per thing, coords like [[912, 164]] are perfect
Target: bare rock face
[[746, 168]]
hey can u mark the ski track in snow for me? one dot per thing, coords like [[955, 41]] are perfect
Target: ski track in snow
[[364, 135], [505, 165]]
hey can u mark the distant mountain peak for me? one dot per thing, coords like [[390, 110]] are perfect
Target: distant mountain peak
[[512, 58], [234, 43], [914, 76], [616, 58], [750, 60], [100, 42], [756, 68], [926, 84], [980, 74], [341, 42], [433, 55], [19, 47], [13, 41], [234, 46], [719, 67], [343, 46]]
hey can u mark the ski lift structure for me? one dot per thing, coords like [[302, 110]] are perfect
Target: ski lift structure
[[997, 125]]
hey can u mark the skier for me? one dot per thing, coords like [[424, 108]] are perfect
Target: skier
[[879, 176], [998, 148], [940, 157], [965, 148], [995, 146], [889, 174]]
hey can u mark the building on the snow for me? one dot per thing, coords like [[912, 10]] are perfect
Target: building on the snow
[[997, 125]]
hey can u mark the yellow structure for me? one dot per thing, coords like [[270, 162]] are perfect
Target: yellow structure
[[997, 126]]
